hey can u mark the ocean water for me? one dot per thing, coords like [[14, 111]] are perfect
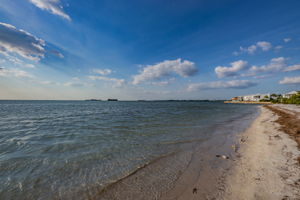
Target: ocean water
[[79, 149]]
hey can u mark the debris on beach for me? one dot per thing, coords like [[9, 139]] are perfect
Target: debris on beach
[[195, 191], [243, 140], [277, 137], [222, 156], [257, 179]]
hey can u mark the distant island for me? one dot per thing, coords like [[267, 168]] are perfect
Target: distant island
[[101, 100], [93, 100]]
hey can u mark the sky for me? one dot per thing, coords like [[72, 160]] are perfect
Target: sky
[[148, 49]]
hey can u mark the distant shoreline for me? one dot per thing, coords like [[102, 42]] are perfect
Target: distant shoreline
[[247, 102], [100, 100]]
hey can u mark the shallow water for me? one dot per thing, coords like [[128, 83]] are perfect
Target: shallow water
[[67, 149]]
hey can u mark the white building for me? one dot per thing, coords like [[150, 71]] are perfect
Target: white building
[[256, 97], [290, 94]]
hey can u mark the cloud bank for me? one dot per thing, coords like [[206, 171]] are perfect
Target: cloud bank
[[18, 41], [14, 73], [52, 6], [235, 84], [292, 68], [290, 80], [164, 69], [276, 64]]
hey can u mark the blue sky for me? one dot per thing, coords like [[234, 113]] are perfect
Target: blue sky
[[142, 49]]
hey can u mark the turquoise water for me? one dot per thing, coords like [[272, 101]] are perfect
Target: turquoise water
[[52, 149]]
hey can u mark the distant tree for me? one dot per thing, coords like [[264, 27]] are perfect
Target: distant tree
[[265, 99], [294, 99], [274, 95]]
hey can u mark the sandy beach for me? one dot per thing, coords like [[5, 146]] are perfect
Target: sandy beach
[[267, 166]]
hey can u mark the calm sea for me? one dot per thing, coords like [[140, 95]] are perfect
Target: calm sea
[[76, 149]]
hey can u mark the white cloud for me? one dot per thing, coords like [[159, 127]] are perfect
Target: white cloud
[[29, 66], [103, 72], [290, 80], [236, 84], [262, 76], [292, 68], [276, 64], [251, 49], [223, 71], [52, 6], [14, 73], [57, 53], [286, 40], [263, 45], [48, 83], [164, 69], [75, 84], [16, 61], [117, 82], [18, 41], [163, 83], [277, 48]]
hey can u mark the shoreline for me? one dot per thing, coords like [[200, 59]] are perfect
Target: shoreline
[[248, 102], [170, 154], [267, 166], [205, 173], [201, 175], [257, 163]]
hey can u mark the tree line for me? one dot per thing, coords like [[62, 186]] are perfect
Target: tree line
[[278, 98]]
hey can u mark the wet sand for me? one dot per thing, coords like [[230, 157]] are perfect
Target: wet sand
[[268, 167], [195, 174]]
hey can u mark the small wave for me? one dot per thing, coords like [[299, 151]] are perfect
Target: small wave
[[105, 188], [182, 141]]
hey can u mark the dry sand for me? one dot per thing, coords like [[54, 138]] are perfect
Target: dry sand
[[267, 166]]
